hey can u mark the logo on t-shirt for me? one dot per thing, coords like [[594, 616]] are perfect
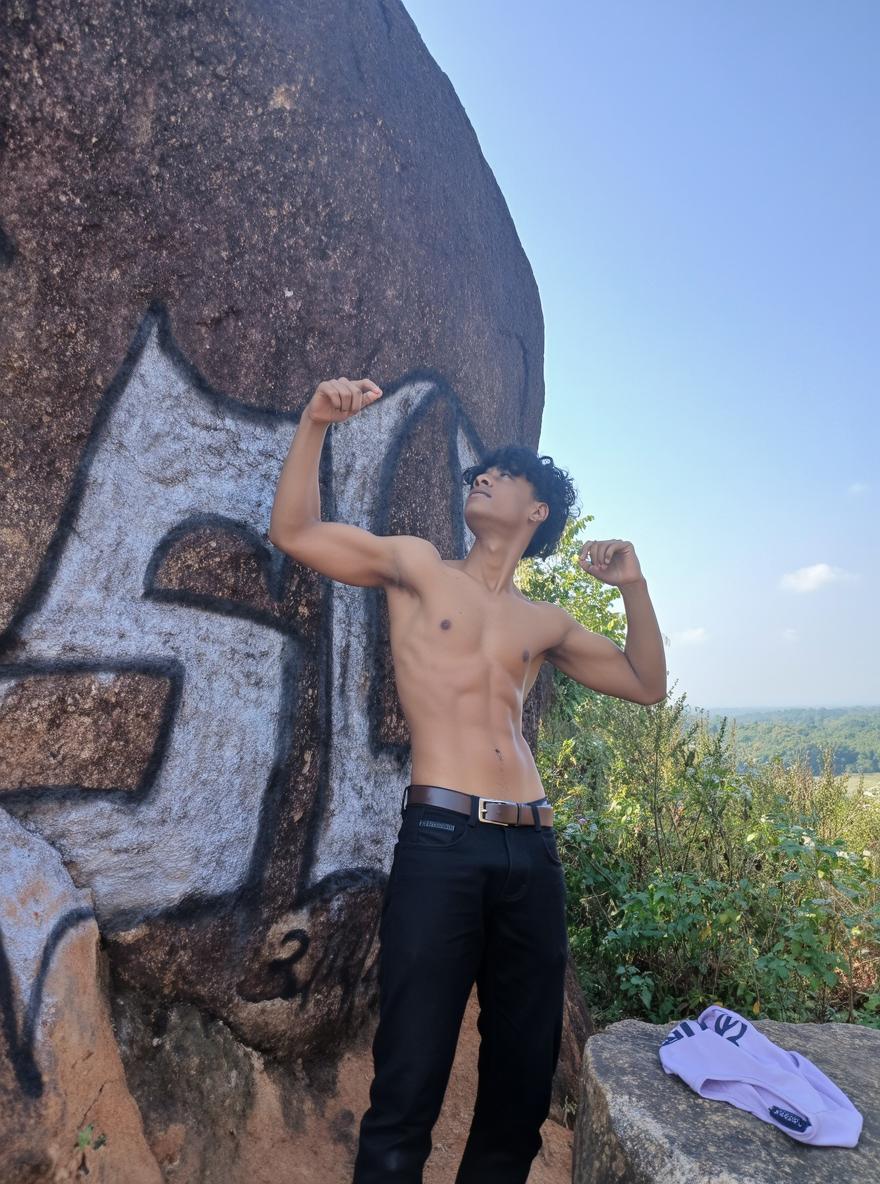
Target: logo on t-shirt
[[794, 1122], [732, 1028]]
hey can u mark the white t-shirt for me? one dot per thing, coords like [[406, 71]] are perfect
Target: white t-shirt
[[722, 1056]]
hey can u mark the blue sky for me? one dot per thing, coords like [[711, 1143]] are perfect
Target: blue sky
[[696, 185]]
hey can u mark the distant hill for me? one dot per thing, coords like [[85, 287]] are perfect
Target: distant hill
[[792, 733]]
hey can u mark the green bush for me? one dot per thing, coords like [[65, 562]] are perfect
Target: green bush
[[694, 877]]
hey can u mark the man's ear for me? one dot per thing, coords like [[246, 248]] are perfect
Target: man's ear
[[542, 517]]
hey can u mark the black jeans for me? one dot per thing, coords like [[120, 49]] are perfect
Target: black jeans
[[466, 901]]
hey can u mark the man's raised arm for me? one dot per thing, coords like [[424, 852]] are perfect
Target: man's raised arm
[[335, 549]]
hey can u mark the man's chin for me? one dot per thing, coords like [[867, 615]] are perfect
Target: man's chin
[[476, 500]]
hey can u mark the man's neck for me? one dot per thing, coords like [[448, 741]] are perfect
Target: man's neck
[[492, 565]]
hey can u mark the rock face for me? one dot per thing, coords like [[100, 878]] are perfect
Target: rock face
[[637, 1124], [296, 183], [205, 210], [62, 1079]]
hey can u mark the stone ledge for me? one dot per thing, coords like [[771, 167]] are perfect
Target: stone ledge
[[638, 1125]]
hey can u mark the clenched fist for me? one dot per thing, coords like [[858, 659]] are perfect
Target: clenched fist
[[338, 399], [613, 561]]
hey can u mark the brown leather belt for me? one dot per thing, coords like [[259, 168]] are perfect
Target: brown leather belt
[[501, 811]]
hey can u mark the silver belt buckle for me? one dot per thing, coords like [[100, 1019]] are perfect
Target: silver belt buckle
[[481, 812]]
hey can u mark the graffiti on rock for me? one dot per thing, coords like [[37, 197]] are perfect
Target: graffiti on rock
[[161, 639]]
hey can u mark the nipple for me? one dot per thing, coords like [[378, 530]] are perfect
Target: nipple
[[446, 623]]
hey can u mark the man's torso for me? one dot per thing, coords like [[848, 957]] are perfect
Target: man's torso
[[464, 661]]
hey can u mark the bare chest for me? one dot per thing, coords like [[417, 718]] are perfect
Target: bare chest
[[453, 621]]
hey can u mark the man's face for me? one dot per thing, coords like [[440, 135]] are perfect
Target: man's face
[[499, 496]]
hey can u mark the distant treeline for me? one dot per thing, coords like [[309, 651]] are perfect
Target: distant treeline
[[802, 733]]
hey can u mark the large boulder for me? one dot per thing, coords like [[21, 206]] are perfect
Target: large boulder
[[636, 1124], [297, 184], [207, 209]]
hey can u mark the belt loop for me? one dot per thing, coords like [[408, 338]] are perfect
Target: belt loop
[[537, 815], [402, 805], [475, 806]]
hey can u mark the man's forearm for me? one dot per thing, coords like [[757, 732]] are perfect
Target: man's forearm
[[298, 494], [644, 642]]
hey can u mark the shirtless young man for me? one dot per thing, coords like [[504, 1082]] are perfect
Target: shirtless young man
[[476, 891]]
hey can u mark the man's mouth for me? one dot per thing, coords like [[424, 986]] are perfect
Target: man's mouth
[[482, 492]]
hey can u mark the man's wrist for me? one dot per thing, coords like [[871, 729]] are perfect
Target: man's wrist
[[641, 582], [308, 418]]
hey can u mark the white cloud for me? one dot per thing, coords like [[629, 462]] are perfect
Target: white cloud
[[789, 634], [857, 488], [808, 579], [691, 636]]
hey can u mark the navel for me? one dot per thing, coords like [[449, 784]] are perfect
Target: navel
[[446, 623]]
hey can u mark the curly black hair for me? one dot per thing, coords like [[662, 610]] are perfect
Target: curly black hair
[[551, 485]]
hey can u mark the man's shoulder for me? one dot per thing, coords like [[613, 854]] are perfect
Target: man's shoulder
[[547, 608], [415, 547], [553, 621], [417, 558]]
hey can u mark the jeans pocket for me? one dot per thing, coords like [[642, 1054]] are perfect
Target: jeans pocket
[[432, 827], [548, 835]]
